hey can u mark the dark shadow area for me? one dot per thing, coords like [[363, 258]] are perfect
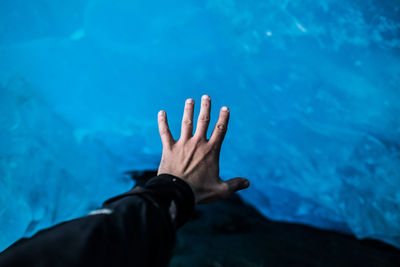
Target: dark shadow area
[[233, 233]]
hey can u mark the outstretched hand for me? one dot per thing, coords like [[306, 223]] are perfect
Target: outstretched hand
[[195, 159]]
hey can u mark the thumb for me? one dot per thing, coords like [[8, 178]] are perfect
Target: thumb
[[237, 184]]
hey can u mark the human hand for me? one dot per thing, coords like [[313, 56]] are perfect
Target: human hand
[[195, 159]]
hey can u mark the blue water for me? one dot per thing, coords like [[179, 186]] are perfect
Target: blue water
[[313, 88]]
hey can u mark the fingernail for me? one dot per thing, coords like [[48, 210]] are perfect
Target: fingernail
[[246, 184], [161, 112], [189, 101], [205, 97], [224, 108]]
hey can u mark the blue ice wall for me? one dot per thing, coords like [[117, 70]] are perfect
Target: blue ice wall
[[313, 88]]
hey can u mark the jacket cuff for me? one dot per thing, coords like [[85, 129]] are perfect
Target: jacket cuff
[[165, 191]]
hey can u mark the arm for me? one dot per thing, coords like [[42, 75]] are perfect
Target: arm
[[139, 227], [134, 229]]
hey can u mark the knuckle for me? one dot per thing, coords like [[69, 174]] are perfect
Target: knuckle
[[184, 143], [187, 122], [204, 118], [221, 127], [215, 148], [198, 140]]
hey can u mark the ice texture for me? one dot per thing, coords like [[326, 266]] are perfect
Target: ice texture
[[48, 173], [313, 88]]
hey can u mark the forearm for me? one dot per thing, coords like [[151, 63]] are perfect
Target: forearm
[[137, 228]]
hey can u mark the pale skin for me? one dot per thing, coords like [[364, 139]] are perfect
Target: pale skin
[[195, 159]]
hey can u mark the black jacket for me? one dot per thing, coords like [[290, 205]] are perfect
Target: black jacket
[[137, 228]]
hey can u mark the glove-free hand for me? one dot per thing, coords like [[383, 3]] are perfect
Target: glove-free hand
[[195, 159]]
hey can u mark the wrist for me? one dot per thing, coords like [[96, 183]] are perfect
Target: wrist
[[194, 191], [166, 187]]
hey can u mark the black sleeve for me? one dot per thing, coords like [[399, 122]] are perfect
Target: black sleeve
[[137, 228]]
